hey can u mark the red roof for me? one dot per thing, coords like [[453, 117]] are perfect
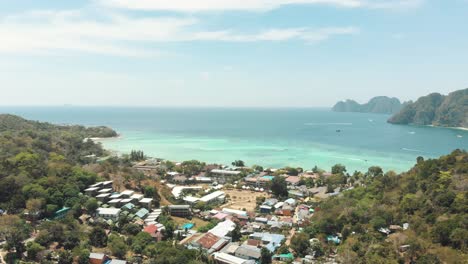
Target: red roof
[[208, 240], [293, 179], [151, 229]]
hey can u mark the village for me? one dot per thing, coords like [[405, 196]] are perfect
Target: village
[[229, 213]]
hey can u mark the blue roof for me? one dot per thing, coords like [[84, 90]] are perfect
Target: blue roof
[[129, 206], [142, 212], [269, 177], [274, 240]]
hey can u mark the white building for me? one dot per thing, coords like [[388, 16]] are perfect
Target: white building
[[218, 195], [109, 213], [224, 258]]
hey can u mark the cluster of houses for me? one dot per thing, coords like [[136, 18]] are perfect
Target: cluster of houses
[[217, 242], [112, 205]]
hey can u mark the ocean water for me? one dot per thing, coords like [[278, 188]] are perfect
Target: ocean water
[[268, 137]]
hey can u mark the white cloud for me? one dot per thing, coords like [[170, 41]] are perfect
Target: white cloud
[[49, 32], [250, 5]]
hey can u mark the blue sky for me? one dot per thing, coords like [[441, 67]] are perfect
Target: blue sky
[[260, 53]]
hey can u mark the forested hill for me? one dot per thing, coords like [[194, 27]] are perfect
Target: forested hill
[[436, 109], [432, 198], [379, 105], [35, 154], [12, 123]]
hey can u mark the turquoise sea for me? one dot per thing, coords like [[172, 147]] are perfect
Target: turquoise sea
[[269, 137]]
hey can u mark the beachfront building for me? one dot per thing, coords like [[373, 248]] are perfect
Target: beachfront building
[[109, 213], [179, 210]]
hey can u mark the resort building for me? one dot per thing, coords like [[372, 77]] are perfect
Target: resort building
[[146, 202]]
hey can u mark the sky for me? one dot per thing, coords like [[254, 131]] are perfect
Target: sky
[[230, 53]]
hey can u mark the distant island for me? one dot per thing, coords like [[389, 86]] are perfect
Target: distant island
[[437, 110], [379, 105]]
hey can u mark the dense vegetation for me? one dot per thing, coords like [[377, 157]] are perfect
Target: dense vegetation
[[432, 198], [436, 109], [43, 168], [379, 105]]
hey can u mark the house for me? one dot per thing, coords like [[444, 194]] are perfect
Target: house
[[287, 210], [117, 261], [154, 232], [223, 228], [223, 258], [179, 179], [97, 258], [146, 202], [60, 214], [284, 257], [109, 213], [248, 252], [142, 213], [115, 202], [103, 197], [297, 194], [137, 197], [293, 180], [127, 193], [206, 241], [234, 212], [270, 241], [91, 191], [265, 209], [222, 175], [179, 210]]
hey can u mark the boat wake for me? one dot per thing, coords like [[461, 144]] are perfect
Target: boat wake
[[412, 150]]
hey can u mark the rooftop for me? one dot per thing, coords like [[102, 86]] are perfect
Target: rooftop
[[108, 211]]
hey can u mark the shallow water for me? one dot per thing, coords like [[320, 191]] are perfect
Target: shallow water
[[268, 137]]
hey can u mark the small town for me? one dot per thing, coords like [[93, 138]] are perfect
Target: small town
[[230, 214]]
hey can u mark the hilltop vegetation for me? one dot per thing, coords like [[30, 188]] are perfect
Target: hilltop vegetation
[[436, 109], [432, 198], [379, 105]]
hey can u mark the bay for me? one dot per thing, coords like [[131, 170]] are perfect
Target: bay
[[271, 137]]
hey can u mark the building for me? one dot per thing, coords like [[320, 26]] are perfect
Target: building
[[234, 212], [223, 258], [146, 202], [293, 180], [214, 196], [137, 197], [179, 210], [222, 175], [109, 213], [118, 261], [103, 197], [97, 258], [127, 193], [91, 191], [270, 241], [223, 228], [248, 252], [265, 209], [142, 213], [61, 213]]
